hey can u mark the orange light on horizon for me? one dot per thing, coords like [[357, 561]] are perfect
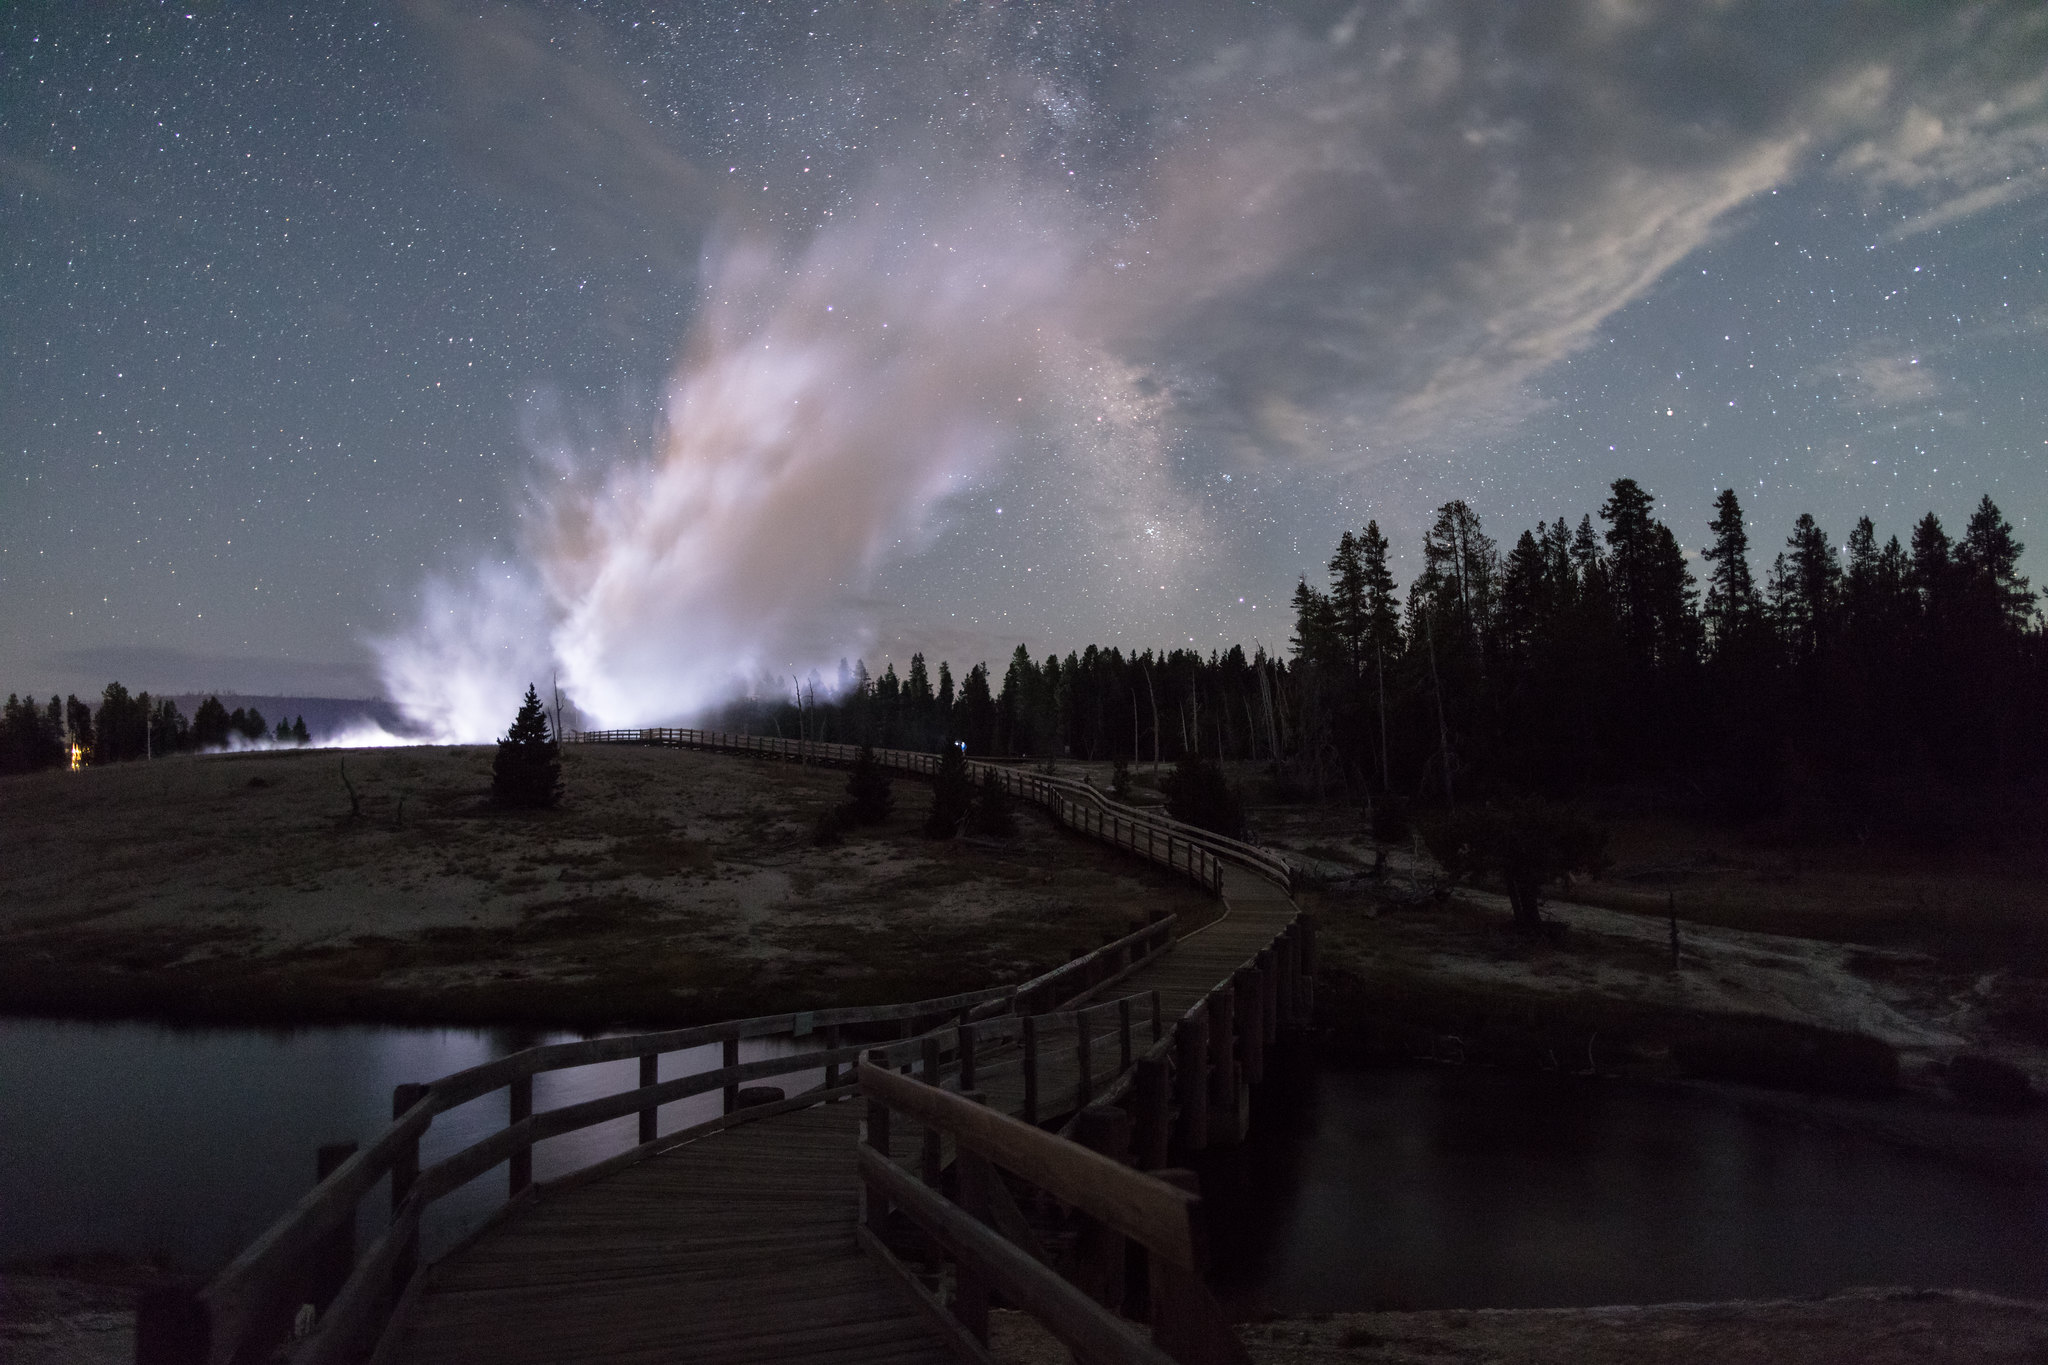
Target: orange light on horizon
[[77, 758]]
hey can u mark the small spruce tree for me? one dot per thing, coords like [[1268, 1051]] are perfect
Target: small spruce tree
[[527, 773], [868, 788], [952, 793], [990, 815], [1198, 793]]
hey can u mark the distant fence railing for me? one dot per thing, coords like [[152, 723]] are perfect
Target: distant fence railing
[[1150, 834]]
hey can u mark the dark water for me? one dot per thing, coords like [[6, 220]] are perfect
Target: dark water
[[1466, 1188], [186, 1143]]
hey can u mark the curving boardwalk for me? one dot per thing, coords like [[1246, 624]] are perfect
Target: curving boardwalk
[[740, 1246], [762, 1235]]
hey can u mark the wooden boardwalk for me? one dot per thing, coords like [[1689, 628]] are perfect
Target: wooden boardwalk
[[736, 1247], [739, 1246]]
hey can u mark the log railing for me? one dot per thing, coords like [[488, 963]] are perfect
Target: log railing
[[1150, 834]]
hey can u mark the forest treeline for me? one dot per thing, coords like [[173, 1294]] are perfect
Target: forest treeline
[[124, 727], [1870, 687]]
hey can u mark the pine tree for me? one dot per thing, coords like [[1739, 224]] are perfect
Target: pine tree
[[1347, 599], [527, 772], [952, 794], [300, 735], [869, 800], [1316, 639], [210, 724], [1987, 559], [1382, 603], [990, 815], [1731, 590], [1198, 794]]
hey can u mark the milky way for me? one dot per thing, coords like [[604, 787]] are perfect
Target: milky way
[[656, 351]]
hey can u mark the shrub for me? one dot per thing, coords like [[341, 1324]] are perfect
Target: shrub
[[1120, 781], [1988, 1082], [1527, 845], [1785, 1056], [1197, 793], [527, 772]]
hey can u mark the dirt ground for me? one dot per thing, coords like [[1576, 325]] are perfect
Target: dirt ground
[[669, 887]]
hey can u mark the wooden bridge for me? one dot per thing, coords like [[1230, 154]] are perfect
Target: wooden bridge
[[1013, 1144]]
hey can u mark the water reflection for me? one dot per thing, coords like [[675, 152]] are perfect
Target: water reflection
[[1466, 1188], [143, 1140]]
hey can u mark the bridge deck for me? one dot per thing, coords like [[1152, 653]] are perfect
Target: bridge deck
[[739, 1246]]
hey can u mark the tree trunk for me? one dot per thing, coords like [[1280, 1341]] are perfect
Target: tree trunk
[[1522, 895]]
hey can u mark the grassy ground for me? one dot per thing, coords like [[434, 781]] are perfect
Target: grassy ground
[[669, 887]]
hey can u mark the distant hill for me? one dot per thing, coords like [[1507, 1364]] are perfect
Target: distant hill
[[325, 716]]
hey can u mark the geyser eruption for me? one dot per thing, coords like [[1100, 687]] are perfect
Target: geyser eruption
[[825, 406]]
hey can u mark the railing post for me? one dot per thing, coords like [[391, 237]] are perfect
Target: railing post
[[335, 1254], [1284, 948], [731, 1057], [520, 1167], [1150, 1102], [1226, 1119], [971, 1288], [1030, 1069], [650, 1072], [831, 1068], [1250, 1042], [877, 1138], [966, 1050], [1123, 1034], [1158, 1024], [1307, 984], [405, 1168], [1269, 996], [1101, 1253], [1084, 1060], [1191, 1058], [929, 1152]]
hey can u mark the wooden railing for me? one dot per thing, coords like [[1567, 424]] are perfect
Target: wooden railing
[[983, 1231], [1150, 834], [1187, 1089]]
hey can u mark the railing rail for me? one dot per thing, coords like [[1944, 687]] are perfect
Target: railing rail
[[1151, 834], [1114, 1202], [246, 1308]]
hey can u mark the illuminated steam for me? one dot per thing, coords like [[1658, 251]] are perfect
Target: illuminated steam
[[827, 405]]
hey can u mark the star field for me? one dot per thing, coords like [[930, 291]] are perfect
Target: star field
[[1132, 309]]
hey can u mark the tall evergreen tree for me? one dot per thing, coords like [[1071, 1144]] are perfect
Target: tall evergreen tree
[[974, 718], [1987, 560], [1348, 609], [1731, 590]]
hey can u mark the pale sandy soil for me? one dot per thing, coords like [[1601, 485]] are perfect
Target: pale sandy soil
[[1930, 1006], [47, 1320], [669, 886]]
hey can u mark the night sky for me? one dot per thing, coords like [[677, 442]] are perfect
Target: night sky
[[425, 349]]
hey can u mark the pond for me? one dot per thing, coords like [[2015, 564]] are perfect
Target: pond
[[1469, 1188], [141, 1140]]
